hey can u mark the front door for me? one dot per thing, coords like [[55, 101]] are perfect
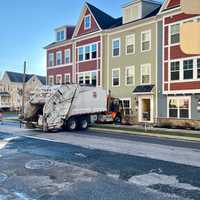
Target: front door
[[146, 109]]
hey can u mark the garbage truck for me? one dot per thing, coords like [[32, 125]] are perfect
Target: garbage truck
[[68, 107]]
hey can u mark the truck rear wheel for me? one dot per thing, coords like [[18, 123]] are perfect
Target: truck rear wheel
[[71, 124], [83, 124]]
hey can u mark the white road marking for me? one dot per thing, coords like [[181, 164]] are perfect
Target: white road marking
[[155, 179], [11, 138], [23, 196]]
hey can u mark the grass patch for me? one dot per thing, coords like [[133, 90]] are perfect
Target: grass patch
[[11, 120], [10, 113], [156, 132]]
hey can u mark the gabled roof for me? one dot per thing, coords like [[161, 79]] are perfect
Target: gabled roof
[[166, 3], [119, 21], [106, 21], [103, 19], [42, 79], [54, 44], [18, 77]]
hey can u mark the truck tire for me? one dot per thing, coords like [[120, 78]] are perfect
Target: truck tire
[[71, 124], [83, 124], [118, 119]]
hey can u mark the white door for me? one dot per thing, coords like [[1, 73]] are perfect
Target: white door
[[146, 109]]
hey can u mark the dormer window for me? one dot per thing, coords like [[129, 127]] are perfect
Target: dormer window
[[138, 9], [60, 35], [87, 22], [132, 12]]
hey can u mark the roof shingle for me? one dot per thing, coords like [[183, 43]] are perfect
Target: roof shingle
[[18, 77], [103, 19]]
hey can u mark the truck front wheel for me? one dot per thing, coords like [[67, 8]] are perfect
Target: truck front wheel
[[72, 124]]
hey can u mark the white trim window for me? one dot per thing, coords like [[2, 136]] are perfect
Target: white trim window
[[60, 35], [87, 52], [116, 77], [50, 59], [130, 75], [146, 41], [130, 44], [94, 51], [87, 22], [80, 54], [126, 103], [51, 80], [67, 56], [198, 68], [59, 79], [116, 47], [175, 33], [94, 78], [185, 70], [59, 58], [179, 107], [146, 74], [188, 69], [175, 71], [88, 78], [67, 78], [81, 78]]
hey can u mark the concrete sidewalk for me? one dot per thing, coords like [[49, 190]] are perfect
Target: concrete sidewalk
[[151, 128], [179, 134]]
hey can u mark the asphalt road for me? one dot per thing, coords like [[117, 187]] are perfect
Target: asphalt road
[[33, 169]]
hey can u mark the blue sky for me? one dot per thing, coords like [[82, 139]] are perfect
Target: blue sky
[[26, 26]]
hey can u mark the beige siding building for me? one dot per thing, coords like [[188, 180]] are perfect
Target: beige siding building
[[131, 61], [11, 87]]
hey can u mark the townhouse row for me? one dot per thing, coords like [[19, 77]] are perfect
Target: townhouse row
[[136, 58]]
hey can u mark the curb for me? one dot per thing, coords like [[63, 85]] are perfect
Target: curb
[[166, 136]]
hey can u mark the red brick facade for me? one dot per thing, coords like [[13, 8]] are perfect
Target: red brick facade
[[63, 68], [92, 64], [62, 49], [94, 26], [81, 38], [173, 3], [60, 71]]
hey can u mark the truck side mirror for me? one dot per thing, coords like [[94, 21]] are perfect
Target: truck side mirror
[[190, 6]]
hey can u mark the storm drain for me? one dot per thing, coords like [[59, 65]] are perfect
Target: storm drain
[[3, 177], [39, 164]]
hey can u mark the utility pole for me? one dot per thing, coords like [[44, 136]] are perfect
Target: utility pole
[[23, 90]]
